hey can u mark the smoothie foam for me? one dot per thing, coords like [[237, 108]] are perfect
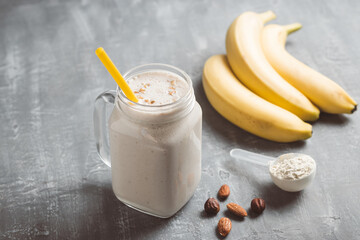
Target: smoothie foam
[[158, 87]]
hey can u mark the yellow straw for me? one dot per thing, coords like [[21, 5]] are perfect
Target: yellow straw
[[104, 58]]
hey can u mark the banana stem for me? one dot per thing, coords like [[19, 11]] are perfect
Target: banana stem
[[292, 27], [267, 16]]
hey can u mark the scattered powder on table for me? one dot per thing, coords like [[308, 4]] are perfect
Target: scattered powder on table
[[293, 168]]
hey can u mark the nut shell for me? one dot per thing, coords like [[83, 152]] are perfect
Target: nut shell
[[224, 192], [211, 206], [224, 226], [258, 205]]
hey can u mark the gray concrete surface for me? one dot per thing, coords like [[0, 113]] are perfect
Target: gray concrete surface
[[54, 186]]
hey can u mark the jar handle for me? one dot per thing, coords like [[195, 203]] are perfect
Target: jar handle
[[101, 136]]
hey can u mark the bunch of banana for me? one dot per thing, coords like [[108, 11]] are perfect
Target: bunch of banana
[[276, 93], [246, 109]]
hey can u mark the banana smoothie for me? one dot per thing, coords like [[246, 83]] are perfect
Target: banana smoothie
[[155, 144]]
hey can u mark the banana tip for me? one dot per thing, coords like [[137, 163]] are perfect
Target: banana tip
[[267, 16], [354, 109]]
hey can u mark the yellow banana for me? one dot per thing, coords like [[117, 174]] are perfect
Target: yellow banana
[[322, 91], [247, 60], [247, 110]]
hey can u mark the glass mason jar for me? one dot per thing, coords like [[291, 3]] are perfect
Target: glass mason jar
[[155, 150]]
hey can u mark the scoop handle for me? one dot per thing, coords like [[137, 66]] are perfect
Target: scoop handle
[[247, 156]]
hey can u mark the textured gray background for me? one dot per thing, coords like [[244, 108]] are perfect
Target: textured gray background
[[54, 186]]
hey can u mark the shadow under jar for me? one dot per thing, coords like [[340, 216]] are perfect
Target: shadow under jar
[[155, 150]]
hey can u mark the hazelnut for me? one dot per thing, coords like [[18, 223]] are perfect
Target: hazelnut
[[258, 205], [212, 206]]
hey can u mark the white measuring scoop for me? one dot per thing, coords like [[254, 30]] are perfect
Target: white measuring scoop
[[289, 185]]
